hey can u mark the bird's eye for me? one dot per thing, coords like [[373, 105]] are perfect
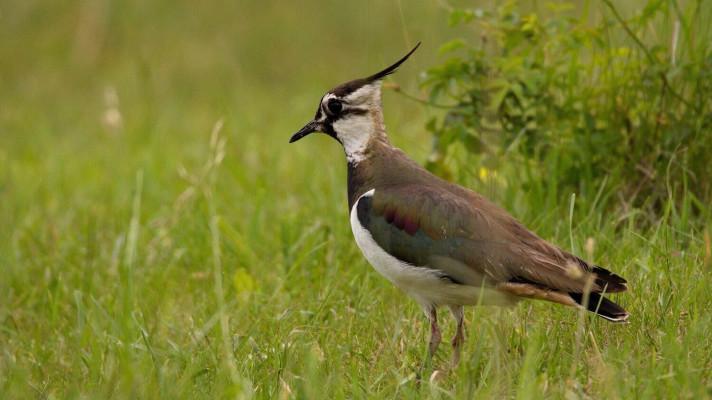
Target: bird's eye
[[334, 106]]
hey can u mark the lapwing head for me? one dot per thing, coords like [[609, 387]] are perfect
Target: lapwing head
[[351, 112]]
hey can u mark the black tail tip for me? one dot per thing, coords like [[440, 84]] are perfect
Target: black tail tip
[[602, 307]]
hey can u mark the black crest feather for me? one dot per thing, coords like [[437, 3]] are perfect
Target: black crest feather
[[392, 68], [351, 86]]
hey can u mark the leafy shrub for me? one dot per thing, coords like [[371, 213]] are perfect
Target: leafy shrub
[[582, 101]]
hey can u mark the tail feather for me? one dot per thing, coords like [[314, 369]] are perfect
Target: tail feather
[[611, 282], [602, 307]]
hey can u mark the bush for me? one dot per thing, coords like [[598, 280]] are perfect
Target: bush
[[581, 102]]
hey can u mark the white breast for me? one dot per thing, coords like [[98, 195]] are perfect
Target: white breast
[[420, 282]]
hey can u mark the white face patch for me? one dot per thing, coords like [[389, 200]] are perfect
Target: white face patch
[[355, 130], [366, 95]]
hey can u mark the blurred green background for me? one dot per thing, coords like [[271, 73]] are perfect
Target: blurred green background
[[160, 239]]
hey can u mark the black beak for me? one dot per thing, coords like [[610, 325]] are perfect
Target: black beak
[[312, 126]]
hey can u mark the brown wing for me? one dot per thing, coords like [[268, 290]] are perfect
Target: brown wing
[[467, 239]]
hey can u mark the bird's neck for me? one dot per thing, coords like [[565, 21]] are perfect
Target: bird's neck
[[360, 134], [381, 165], [357, 177]]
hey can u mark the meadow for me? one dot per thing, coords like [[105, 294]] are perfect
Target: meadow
[[159, 238]]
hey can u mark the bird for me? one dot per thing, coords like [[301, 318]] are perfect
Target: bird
[[444, 245]]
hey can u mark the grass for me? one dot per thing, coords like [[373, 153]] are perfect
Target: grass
[[166, 254]]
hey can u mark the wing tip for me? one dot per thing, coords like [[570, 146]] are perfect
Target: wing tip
[[602, 307], [620, 319]]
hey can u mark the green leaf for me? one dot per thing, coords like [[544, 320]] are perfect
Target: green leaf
[[451, 46]]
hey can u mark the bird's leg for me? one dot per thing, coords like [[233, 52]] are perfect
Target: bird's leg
[[459, 314], [435, 336]]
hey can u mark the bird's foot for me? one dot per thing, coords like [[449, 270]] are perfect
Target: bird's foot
[[457, 341]]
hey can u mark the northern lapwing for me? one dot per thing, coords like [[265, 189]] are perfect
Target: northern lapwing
[[441, 243]]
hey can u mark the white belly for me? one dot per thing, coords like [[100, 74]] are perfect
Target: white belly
[[421, 283]]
